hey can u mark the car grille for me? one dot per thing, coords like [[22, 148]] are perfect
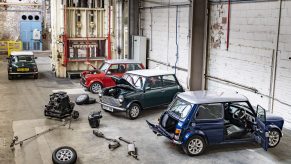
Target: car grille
[[110, 101]]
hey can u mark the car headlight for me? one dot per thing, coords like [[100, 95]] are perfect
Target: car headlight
[[121, 98], [35, 68], [10, 69], [100, 94]]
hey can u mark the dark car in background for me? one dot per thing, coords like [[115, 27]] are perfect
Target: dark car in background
[[197, 119], [22, 63], [96, 79], [140, 89]]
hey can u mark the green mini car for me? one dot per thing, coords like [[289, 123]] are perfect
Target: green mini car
[[22, 63], [140, 89]]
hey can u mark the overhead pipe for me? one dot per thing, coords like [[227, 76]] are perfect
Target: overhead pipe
[[239, 1]]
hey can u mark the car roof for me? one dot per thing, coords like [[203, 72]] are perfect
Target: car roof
[[18, 53], [118, 61], [150, 72], [206, 97]]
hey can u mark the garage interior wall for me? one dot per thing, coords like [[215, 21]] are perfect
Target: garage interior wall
[[158, 24], [257, 62]]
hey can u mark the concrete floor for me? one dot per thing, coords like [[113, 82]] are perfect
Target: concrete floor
[[21, 114]]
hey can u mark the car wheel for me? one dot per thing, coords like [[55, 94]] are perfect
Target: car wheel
[[95, 87], [75, 114], [82, 99], [64, 155], [10, 77], [274, 138], [35, 76], [133, 111], [194, 146]]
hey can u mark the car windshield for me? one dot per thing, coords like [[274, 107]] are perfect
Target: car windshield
[[23, 58], [104, 67], [180, 108], [135, 80]]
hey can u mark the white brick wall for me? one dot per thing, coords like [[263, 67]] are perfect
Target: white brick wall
[[253, 36], [164, 36]]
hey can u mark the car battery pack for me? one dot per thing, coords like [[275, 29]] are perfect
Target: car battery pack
[[94, 119]]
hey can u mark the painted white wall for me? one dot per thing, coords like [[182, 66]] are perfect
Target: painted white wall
[[162, 44], [248, 61]]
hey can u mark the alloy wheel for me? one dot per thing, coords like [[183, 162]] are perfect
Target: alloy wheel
[[195, 146], [274, 138], [96, 87], [134, 112], [64, 155]]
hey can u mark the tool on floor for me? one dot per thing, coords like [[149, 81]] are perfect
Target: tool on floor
[[131, 149], [113, 143], [20, 143]]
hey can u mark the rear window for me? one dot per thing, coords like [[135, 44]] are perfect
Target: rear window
[[131, 67], [209, 111], [180, 108]]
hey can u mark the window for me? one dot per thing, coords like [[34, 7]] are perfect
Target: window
[[104, 67], [131, 67], [154, 82], [209, 112], [239, 106], [180, 108], [134, 80], [169, 80], [117, 68]]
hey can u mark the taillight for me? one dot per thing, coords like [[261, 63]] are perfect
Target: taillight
[[177, 134]]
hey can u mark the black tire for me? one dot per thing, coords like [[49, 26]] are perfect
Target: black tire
[[35, 76], [64, 155], [10, 77], [274, 138], [133, 111], [190, 150], [82, 99], [95, 87], [75, 114], [91, 101]]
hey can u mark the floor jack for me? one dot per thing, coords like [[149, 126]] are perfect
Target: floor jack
[[20, 143]]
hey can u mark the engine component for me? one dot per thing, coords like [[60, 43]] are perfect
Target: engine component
[[113, 142], [60, 107], [94, 119], [131, 149]]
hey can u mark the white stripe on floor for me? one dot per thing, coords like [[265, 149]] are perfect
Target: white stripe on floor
[[71, 91]]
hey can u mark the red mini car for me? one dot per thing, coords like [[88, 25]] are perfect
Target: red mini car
[[96, 79]]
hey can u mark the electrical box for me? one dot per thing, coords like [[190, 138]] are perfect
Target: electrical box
[[36, 35], [139, 48]]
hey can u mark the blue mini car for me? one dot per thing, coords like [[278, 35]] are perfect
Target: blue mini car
[[197, 119]]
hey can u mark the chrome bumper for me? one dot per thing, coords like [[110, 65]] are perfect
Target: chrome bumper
[[113, 107], [24, 73]]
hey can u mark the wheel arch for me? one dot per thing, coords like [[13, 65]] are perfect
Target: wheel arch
[[195, 133], [134, 101], [274, 127], [96, 81]]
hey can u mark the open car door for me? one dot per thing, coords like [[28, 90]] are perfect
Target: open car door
[[262, 131]]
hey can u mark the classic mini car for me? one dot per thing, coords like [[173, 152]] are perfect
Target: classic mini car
[[197, 119], [22, 63], [96, 79], [138, 90]]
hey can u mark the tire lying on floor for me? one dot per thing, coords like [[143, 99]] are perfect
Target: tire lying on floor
[[64, 155], [91, 101], [82, 99]]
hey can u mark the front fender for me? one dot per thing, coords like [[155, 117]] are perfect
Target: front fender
[[95, 80], [131, 102], [275, 127], [189, 134]]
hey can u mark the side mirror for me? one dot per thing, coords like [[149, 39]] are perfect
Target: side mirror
[[109, 73], [35, 57]]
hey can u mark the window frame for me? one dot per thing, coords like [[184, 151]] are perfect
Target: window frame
[[171, 84], [197, 110]]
